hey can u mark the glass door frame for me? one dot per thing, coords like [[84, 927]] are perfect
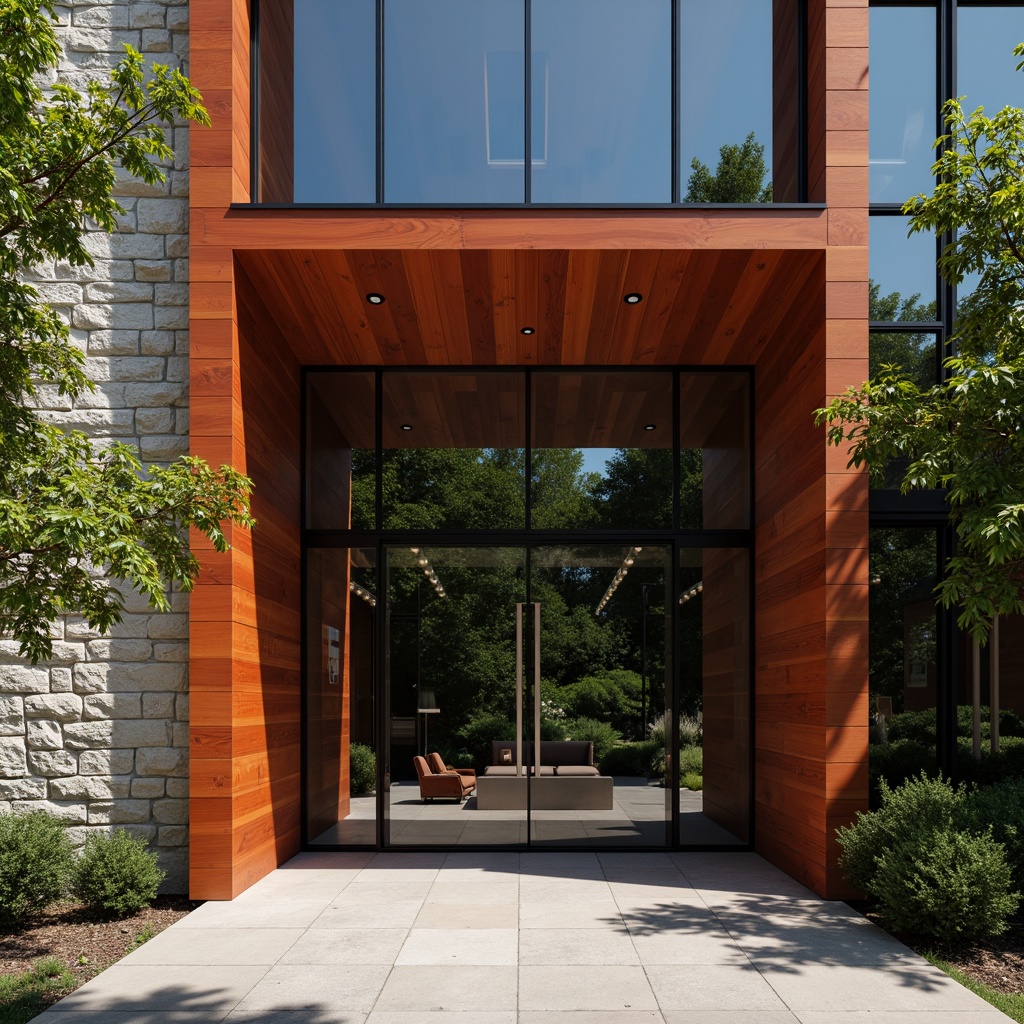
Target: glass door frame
[[673, 545], [674, 538]]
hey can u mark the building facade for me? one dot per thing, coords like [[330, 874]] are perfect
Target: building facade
[[419, 228]]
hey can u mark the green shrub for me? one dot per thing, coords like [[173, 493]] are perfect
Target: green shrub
[[894, 763], [612, 696], [1001, 808], [1010, 723], [918, 726], [691, 731], [552, 729], [691, 780], [1006, 763], [639, 758], [35, 863], [691, 759], [115, 874], [477, 735], [918, 808], [602, 735], [945, 885], [362, 769]]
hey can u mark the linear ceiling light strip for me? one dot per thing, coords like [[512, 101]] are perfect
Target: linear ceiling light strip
[[363, 593], [428, 570], [619, 577]]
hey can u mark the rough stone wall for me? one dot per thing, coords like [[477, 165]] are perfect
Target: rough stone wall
[[100, 734]]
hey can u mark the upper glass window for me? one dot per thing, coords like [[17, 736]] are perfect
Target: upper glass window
[[453, 101], [903, 102], [902, 271], [602, 103], [725, 101], [986, 75], [504, 102]]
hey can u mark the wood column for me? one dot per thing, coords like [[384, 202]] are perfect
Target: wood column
[[812, 538]]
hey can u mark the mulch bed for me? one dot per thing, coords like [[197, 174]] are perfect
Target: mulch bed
[[997, 962], [87, 945]]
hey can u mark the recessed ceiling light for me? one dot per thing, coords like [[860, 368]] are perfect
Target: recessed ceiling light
[[633, 298], [407, 426], [374, 298], [650, 426], [526, 330]]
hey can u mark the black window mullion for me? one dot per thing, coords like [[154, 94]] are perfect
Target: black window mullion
[[380, 101], [254, 101], [676, 114], [528, 99]]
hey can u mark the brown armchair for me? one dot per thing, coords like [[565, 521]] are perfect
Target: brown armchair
[[446, 785], [438, 767]]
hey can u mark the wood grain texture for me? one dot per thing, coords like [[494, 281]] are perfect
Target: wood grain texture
[[780, 290], [699, 307]]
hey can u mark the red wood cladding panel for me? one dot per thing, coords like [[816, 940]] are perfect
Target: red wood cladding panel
[[800, 318], [768, 227]]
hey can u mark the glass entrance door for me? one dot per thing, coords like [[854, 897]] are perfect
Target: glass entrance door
[[527, 690], [605, 695], [455, 696]]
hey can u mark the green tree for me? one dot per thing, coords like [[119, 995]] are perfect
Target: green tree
[[739, 177], [74, 521], [966, 434]]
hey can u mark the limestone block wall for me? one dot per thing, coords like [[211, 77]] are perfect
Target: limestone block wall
[[100, 734]]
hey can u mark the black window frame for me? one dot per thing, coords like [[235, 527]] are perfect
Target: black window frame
[[802, 201]]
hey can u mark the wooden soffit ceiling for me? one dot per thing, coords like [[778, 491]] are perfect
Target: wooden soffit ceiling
[[468, 307]]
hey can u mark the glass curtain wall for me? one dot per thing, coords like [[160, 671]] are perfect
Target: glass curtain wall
[[922, 668], [503, 551], [499, 102]]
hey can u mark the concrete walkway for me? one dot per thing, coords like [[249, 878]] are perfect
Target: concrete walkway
[[532, 938]]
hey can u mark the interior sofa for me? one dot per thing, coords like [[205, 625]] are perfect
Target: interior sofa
[[565, 779]]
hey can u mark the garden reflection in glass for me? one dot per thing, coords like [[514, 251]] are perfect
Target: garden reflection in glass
[[453, 118], [453, 452]]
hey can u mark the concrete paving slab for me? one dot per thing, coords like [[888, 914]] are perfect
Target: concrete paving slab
[[592, 1017], [369, 914], [713, 946], [443, 1017], [130, 1017], [591, 914], [464, 915], [312, 990], [321, 1015], [572, 946], [222, 914], [477, 946], [918, 987], [627, 893], [216, 946], [988, 1015], [838, 941], [713, 987], [477, 892], [367, 946], [200, 990], [585, 988], [737, 1017], [428, 989], [509, 938]]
